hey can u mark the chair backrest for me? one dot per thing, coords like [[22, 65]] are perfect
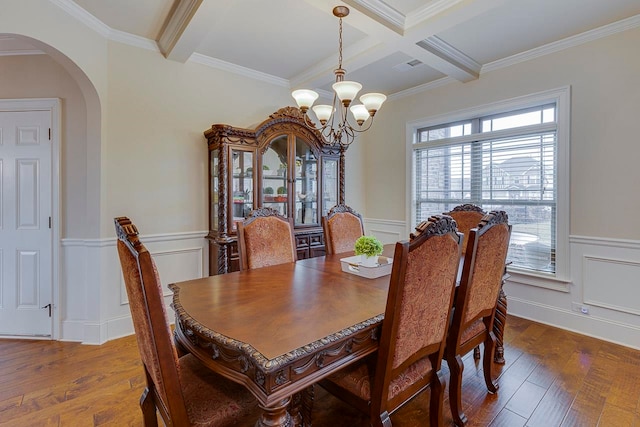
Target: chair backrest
[[342, 226], [467, 216], [150, 321], [482, 274], [419, 302], [265, 238]]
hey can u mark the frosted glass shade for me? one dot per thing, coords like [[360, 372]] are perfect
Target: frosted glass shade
[[323, 112], [304, 98], [347, 91], [372, 101], [360, 113]]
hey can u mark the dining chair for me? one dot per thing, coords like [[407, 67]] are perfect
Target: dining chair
[[414, 330], [265, 238], [475, 304], [467, 216], [181, 389], [342, 226]]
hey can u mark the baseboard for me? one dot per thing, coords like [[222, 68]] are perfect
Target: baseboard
[[592, 326]]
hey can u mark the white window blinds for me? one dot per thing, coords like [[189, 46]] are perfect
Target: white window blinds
[[507, 162]]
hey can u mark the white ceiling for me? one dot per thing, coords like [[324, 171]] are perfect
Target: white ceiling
[[295, 42]]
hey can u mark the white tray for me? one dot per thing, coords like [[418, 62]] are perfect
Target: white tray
[[352, 265]]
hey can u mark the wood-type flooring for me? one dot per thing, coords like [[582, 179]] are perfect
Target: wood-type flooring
[[552, 378]]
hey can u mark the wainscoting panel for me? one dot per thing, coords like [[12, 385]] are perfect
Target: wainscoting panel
[[94, 301], [387, 231], [612, 283], [173, 266]]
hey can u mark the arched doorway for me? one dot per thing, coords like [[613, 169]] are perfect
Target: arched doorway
[[76, 188]]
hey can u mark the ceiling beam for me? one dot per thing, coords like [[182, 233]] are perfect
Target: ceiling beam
[[188, 25], [390, 31]]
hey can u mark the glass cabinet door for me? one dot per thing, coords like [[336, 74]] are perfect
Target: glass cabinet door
[[242, 185], [330, 184], [214, 186], [306, 185], [275, 173]]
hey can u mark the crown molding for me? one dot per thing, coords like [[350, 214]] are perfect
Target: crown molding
[[83, 16], [237, 69], [393, 18], [133, 40], [422, 88], [569, 42], [427, 12], [439, 47], [103, 29]]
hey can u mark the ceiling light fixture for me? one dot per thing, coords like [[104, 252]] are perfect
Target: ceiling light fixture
[[334, 119]]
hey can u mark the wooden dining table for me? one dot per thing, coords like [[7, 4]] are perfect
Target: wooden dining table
[[277, 330]]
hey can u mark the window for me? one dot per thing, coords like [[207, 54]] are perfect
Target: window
[[511, 157]]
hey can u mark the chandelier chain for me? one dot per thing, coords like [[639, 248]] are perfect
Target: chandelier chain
[[340, 46]]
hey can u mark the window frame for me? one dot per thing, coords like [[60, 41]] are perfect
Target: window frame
[[561, 97]]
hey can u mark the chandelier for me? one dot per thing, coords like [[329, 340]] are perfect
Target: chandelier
[[335, 126]]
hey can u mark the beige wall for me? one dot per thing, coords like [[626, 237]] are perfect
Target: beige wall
[[156, 163], [603, 76]]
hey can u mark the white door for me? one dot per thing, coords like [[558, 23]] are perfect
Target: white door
[[25, 224]]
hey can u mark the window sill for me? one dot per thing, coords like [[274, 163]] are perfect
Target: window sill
[[540, 280]]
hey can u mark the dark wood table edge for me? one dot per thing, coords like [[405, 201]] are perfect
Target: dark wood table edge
[[271, 380]]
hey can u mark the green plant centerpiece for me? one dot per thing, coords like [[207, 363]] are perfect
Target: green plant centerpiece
[[368, 247]]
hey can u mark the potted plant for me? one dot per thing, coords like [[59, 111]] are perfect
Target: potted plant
[[282, 194], [268, 194], [368, 247]]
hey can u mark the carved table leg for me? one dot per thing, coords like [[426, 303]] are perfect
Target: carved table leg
[[295, 410], [301, 406], [308, 396], [276, 415], [498, 326]]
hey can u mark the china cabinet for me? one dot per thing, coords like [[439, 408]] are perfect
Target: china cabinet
[[281, 164]]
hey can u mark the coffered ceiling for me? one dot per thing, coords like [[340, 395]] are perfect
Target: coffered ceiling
[[393, 47]]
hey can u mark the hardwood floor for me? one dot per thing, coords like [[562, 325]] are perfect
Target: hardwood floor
[[552, 378]]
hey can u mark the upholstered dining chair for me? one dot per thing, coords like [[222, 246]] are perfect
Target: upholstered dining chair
[[182, 390], [342, 226], [475, 304], [265, 238], [414, 329], [467, 216]]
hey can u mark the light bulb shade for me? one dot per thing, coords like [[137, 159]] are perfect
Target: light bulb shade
[[304, 98], [323, 112], [360, 113], [372, 101], [347, 91]]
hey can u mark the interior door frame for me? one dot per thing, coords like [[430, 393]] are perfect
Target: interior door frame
[[53, 105]]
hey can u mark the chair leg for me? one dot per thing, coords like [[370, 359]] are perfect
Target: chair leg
[[498, 326], [487, 362], [476, 352], [437, 386], [148, 406], [456, 366]]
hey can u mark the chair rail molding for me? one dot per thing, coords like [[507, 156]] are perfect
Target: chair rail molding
[[93, 298]]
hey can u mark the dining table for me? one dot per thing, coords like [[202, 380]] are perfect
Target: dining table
[[277, 330]]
